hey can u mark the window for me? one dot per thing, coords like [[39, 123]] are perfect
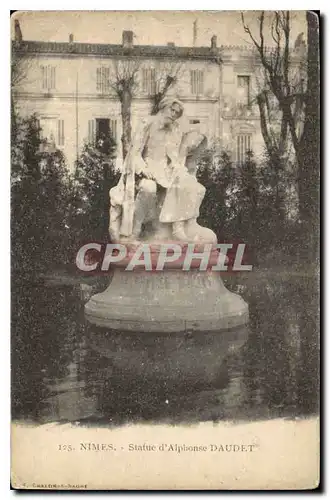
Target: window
[[103, 80], [100, 130], [243, 145], [243, 84], [106, 127], [52, 130], [48, 77], [198, 124], [149, 81], [197, 81]]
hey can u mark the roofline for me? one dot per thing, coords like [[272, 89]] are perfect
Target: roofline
[[217, 55], [97, 49]]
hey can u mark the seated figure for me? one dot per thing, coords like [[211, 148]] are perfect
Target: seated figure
[[158, 196]]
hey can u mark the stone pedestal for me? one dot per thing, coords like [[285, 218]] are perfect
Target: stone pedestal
[[166, 333], [164, 361], [171, 300]]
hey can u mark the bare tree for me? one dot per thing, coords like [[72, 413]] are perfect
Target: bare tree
[[166, 78], [124, 82], [295, 99], [21, 65], [278, 79], [18, 72]]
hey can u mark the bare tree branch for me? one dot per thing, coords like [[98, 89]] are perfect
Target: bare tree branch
[[277, 51], [286, 55], [261, 30], [20, 66], [125, 77], [166, 78], [272, 31], [259, 46], [248, 31]]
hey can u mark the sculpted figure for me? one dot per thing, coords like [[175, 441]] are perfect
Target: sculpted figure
[[158, 196]]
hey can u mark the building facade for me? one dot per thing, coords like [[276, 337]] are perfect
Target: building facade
[[70, 87]]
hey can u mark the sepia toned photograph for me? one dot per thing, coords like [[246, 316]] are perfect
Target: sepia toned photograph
[[165, 250]]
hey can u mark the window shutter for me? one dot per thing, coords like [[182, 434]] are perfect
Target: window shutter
[[98, 79], [201, 82], [238, 150], [52, 77], [113, 129], [60, 132], [91, 131], [38, 126], [247, 143], [106, 79], [148, 81], [103, 79], [43, 76], [144, 81], [197, 81], [153, 81], [48, 76]]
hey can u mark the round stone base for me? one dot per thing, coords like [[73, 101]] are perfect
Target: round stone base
[[167, 301]]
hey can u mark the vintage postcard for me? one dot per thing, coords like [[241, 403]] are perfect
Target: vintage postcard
[[165, 250]]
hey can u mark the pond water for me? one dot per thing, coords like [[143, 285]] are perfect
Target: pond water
[[59, 376]]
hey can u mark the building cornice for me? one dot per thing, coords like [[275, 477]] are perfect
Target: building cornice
[[42, 96]]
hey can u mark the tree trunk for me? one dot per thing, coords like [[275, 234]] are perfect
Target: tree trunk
[[263, 124], [126, 103], [308, 154]]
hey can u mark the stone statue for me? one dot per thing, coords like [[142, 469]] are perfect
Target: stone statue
[[157, 200], [158, 196]]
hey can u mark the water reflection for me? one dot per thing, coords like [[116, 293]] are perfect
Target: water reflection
[[67, 371]]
